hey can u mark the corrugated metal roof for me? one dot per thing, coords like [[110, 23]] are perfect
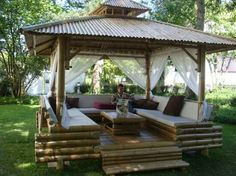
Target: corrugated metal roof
[[128, 28], [125, 3]]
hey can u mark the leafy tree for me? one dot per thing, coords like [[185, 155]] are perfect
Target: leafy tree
[[14, 57], [174, 11]]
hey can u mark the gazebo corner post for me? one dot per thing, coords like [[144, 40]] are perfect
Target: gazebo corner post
[[60, 89], [201, 89], [148, 81]]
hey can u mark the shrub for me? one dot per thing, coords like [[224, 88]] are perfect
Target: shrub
[[224, 101], [30, 100]]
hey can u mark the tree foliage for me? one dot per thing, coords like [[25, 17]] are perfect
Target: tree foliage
[[21, 69]]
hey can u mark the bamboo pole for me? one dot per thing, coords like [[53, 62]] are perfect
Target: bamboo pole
[[136, 167], [135, 146], [66, 157], [66, 136], [201, 69], [199, 130], [202, 147], [200, 142], [142, 160], [198, 136], [140, 151], [63, 151], [72, 129], [67, 143], [60, 77], [148, 82], [142, 156]]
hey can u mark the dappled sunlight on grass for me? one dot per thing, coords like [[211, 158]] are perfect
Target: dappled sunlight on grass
[[24, 165]]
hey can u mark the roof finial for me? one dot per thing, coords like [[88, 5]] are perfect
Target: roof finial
[[120, 8]]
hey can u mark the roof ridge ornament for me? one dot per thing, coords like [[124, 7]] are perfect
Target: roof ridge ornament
[[120, 8]]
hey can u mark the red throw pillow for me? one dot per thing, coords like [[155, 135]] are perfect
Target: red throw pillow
[[174, 105], [100, 105], [72, 102]]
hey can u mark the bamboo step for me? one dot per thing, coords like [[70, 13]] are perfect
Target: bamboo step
[[147, 166]]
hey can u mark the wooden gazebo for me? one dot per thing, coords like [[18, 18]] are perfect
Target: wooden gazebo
[[112, 29]]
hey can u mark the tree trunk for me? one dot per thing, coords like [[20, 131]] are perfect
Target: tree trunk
[[200, 14]]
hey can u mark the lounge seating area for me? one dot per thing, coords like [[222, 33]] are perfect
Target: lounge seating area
[[85, 130]]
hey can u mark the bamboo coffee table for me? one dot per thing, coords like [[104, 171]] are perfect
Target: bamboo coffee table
[[131, 124]]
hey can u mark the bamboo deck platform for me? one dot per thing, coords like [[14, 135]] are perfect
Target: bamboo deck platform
[[141, 152]]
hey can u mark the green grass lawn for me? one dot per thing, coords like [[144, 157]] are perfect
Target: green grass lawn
[[17, 128]]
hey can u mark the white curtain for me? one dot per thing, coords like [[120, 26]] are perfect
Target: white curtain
[[80, 64], [186, 67], [158, 63], [52, 75], [133, 68]]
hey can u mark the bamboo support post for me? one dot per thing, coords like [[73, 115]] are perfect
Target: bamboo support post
[[201, 69], [148, 82], [60, 77]]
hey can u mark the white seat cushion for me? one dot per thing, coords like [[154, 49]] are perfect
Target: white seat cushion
[[163, 118], [77, 118], [94, 110]]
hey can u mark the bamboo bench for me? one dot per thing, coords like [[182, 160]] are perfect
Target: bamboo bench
[[60, 144], [188, 133]]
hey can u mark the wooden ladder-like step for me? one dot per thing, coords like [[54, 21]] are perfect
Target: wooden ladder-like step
[[141, 157]]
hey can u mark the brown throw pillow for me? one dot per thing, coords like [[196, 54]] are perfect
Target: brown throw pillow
[[145, 104], [174, 105], [52, 102], [72, 102]]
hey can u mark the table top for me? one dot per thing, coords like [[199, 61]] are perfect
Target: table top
[[113, 116]]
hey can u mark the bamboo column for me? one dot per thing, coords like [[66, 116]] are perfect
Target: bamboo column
[[148, 82], [60, 77], [201, 69]]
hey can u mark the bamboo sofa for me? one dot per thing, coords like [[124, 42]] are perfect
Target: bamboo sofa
[[54, 143], [189, 132]]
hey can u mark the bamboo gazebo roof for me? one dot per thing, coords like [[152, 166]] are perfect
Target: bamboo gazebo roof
[[116, 20]]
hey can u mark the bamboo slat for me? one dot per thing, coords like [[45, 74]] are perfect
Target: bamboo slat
[[63, 151], [199, 136], [199, 130], [66, 157], [135, 146], [67, 143], [192, 125], [135, 167], [140, 151], [141, 160], [200, 142], [86, 128], [164, 132], [161, 125], [142, 156], [66, 136], [202, 147]]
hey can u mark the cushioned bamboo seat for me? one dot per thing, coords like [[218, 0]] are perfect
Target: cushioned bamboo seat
[[163, 118], [77, 118], [94, 110]]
